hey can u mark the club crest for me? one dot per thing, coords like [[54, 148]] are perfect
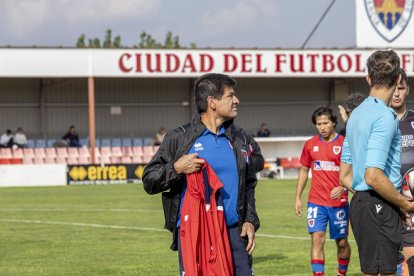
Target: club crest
[[336, 149], [245, 155], [389, 17], [311, 222], [412, 125]]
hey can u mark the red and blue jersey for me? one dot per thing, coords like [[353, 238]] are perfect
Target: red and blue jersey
[[205, 246], [323, 158]]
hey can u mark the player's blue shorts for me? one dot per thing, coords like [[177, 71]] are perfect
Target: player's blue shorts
[[318, 217]]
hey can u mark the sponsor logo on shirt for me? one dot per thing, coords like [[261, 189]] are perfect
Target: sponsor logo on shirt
[[327, 166], [337, 149], [198, 147], [315, 148], [407, 140]]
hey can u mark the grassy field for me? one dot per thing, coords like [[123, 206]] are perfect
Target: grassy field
[[117, 229]]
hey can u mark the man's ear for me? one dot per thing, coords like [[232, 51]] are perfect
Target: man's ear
[[211, 103], [368, 80]]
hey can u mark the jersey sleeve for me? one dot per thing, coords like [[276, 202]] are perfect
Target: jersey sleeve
[[346, 156], [379, 142], [305, 158]]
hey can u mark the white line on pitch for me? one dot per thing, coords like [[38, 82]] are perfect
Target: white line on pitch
[[76, 210], [136, 228], [82, 224]]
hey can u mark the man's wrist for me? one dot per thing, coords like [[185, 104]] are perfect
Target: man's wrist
[[177, 170]]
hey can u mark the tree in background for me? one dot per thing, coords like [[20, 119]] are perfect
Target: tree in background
[[146, 41], [96, 42]]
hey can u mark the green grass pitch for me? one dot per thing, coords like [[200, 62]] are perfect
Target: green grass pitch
[[117, 230]]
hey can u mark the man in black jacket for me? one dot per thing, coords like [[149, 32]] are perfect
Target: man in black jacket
[[212, 136]]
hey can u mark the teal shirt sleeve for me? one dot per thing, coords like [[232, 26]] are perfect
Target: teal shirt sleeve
[[346, 156], [379, 142]]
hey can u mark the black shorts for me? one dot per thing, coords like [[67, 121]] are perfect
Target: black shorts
[[377, 229], [408, 234]]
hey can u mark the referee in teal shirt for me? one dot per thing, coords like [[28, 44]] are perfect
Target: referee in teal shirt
[[370, 167]]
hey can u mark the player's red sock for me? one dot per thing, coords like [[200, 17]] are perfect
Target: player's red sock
[[318, 267], [342, 266]]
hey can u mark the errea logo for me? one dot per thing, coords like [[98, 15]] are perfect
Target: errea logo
[[315, 149], [198, 147]]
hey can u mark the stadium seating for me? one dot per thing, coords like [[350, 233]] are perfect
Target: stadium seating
[[126, 160], [97, 142], [106, 142], [50, 160], [84, 160], [115, 151], [38, 160], [137, 151], [16, 161], [116, 142], [28, 160], [84, 142], [84, 152], [6, 153], [148, 141], [73, 152], [50, 143], [61, 160], [289, 162], [137, 142], [40, 152], [40, 143], [18, 153], [62, 152], [126, 142], [51, 152], [30, 143], [28, 153]]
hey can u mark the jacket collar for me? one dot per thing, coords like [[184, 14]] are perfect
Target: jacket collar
[[198, 127]]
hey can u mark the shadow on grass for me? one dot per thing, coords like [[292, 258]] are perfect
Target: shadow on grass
[[262, 259]]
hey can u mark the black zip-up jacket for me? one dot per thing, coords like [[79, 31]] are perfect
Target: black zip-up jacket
[[160, 176]]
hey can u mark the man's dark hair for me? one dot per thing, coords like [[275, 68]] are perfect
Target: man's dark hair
[[324, 110], [404, 77], [210, 85], [353, 101], [383, 68]]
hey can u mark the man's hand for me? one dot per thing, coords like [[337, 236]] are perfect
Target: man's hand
[[343, 113], [409, 207], [337, 192], [248, 230], [188, 164], [298, 207]]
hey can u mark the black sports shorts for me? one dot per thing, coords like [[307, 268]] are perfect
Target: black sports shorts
[[377, 229], [408, 233]]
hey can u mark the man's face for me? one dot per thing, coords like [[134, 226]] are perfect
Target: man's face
[[400, 94], [324, 126], [226, 107]]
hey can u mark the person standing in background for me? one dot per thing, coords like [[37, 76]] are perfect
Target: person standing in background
[[328, 201]]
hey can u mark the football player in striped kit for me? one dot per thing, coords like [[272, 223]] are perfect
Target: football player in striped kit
[[406, 124]]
